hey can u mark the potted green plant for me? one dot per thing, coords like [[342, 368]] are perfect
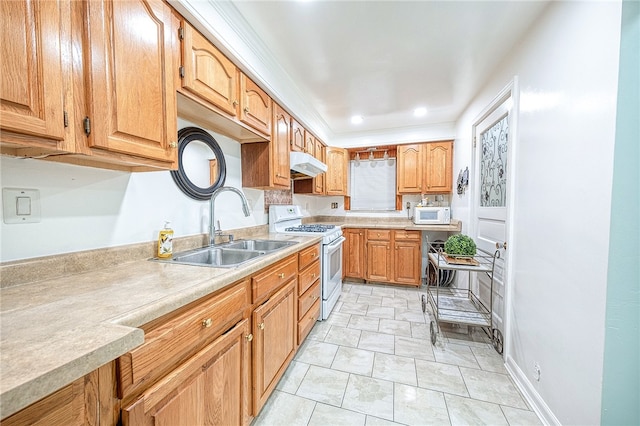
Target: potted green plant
[[460, 245]]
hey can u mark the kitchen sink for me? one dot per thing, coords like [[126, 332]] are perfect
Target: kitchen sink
[[228, 255], [221, 257], [260, 245]]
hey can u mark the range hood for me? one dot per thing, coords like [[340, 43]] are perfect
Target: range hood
[[304, 166]]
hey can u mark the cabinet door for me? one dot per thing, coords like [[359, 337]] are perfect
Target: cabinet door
[[208, 74], [410, 166], [31, 79], [438, 166], [336, 179], [379, 261], [130, 78], [407, 262], [255, 106], [318, 181], [210, 388], [354, 253], [274, 343], [298, 140], [280, 147]]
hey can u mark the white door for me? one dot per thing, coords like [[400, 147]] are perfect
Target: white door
[[493, 143]]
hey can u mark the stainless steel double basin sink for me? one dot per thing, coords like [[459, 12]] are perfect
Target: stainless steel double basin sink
[[229, 255]]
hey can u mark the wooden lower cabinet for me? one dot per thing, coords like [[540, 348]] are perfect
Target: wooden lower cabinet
[[383, 255], [211, 388], [90, 400], [379, 261], [407, 258], [354, 254], [274, 342]]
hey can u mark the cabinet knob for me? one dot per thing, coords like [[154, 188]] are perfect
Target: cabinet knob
[[281, 275], [249, 337], [261, 326], [246, 110], [207, 323], [313, 275], [235, 103], [173, 145]]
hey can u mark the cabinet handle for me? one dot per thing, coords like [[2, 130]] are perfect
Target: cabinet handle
[[249, 337], [261, 326], [207, 323], [281, 275], [246, 110]]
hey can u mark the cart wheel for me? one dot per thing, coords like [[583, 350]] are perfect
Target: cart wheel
[[432, 329], [424, 303], [496, 340]]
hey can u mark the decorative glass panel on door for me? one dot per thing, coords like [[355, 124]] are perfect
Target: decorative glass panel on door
[[493, 164]]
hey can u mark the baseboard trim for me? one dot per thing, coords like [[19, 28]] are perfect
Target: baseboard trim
[[531, 395]]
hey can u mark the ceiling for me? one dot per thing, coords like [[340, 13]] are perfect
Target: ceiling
[[383, 59]]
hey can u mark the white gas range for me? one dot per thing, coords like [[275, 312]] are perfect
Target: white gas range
[[287, 219]]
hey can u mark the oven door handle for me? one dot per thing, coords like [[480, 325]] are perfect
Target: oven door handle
[[336, 243]]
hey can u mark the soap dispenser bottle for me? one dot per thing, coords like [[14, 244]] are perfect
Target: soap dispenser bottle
[[165, 242]]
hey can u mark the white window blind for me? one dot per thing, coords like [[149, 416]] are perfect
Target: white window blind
[[373, 185]]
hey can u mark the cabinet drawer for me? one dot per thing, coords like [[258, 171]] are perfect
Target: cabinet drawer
[[408, 235], [271, 278], [379, 234], [308, 255], [179, 336], [308, 299], [308, 277], [308, 321]]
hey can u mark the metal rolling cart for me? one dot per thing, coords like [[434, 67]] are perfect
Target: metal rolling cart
[[461, 306]]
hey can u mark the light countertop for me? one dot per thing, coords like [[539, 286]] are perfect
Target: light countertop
[[58, 330]]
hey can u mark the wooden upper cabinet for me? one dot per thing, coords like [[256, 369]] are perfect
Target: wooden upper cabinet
[[336, 176], [319, 180], [280, 147], [131, 99], [207, 72], [255, 105], [32, 95], [309, 143], [409, 171], [438, 160], [425, 168], [298, 139]]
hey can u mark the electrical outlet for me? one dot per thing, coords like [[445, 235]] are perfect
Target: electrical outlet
[[536, 371]]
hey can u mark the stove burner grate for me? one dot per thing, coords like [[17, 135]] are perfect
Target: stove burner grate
[[310, 228]]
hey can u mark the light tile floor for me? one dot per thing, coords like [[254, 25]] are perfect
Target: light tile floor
[[372, 363]]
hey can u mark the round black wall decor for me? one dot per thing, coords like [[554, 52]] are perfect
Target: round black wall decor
[[183, 177]]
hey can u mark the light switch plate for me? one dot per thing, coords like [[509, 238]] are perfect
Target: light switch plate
[[20, 205]]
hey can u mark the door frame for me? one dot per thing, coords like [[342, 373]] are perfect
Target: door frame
[[511, 90]]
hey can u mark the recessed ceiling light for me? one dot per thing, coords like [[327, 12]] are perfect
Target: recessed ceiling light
[[357, 119], [419, 112]]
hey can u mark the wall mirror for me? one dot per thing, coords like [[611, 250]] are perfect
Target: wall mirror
[[201, 165]]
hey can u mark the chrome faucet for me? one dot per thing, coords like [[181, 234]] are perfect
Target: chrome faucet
[[212, 222]]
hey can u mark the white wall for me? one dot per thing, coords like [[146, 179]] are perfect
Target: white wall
[[86, 208], [567, 67]]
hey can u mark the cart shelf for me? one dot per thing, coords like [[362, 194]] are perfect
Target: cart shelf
[[461, 306]]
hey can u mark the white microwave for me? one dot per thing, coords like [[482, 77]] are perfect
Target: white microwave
[[432, 216]]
